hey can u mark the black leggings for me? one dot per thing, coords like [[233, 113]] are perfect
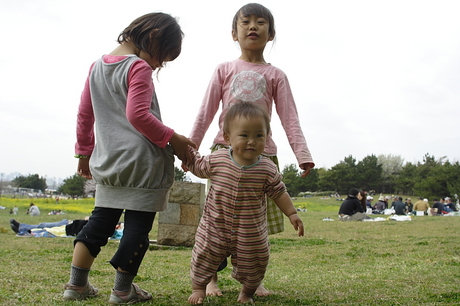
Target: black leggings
[[134, 243]]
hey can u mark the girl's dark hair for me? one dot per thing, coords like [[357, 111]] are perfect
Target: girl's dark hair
[[158, 34], [258, 10], [248, 110], [363, 200]]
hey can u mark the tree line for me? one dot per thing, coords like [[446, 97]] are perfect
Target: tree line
[[387, 174], [75, 185]]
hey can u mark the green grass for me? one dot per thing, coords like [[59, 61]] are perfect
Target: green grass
[[337, 263]]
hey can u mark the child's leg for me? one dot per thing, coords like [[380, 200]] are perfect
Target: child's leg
[[135, 241], [262, 291], [246, 295], [78, 287], [128, 258], [88, 245], [81, 256], [249, 269], [212, 289], [275, 224], [198, 294]]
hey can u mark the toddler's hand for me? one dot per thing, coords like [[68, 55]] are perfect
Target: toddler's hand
[[297, 223]]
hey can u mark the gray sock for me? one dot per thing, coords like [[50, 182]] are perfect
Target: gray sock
[[123, 281], [78, 276]]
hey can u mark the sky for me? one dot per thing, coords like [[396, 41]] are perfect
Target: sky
[[368, 77]]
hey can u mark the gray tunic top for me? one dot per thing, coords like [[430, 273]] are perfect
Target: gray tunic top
[[130, 171]]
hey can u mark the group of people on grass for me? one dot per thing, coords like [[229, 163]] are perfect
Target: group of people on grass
[[357, 206], [132, 160], [442, 206]]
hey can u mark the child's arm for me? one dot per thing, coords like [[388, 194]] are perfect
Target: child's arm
[[287, 207], [208, 109], [140, 94], [85, 122], [287, 112], [180, 145], [85, 131], [198, 165]]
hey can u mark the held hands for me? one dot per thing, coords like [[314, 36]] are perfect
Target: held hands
[[83, 168], [184, 167], [297, 223], [180, 146]]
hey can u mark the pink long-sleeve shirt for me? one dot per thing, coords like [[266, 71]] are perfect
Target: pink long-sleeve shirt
[[238, 81]]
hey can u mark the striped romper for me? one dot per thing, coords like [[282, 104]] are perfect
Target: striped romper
[[234, 217]]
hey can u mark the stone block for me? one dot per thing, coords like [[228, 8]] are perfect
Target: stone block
[[187, 192], [169, 234], [177, 225], [171, 215], [189, 214]]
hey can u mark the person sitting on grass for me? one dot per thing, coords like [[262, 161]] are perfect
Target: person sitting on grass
[[421, 205], [399, 207], [352, 208], [379, 207], [33, 210]]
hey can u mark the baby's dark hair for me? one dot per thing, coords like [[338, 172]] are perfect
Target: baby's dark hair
[[258, 10], [248, 110], [158, 34]]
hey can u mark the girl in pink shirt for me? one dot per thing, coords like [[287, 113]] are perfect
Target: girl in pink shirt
[[251, 79]]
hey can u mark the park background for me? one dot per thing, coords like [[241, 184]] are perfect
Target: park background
[[369, 77], [336, 263]]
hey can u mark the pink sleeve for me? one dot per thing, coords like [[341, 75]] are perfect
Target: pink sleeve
[[208, 109], [140, 94], [287, 112], [85, 122]]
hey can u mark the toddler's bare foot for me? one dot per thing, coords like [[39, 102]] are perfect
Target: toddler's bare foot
[[246, 296], [262, 291], [197, 297], [212, 289]]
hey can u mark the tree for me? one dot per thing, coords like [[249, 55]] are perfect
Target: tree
[[90, 188], [290, 174], [404, 183], [32, 181], [74, 186], [432, 177], [391, 167], [369, 173], [341, 177], [453, 178], [179, 175], [310, 182]]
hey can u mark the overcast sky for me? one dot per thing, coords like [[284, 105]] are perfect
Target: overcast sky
[[369, 77]]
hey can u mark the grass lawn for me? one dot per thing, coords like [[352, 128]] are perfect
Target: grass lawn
[[337, 263]]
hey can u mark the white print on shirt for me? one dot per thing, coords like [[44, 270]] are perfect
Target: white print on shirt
[[248, 86]]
